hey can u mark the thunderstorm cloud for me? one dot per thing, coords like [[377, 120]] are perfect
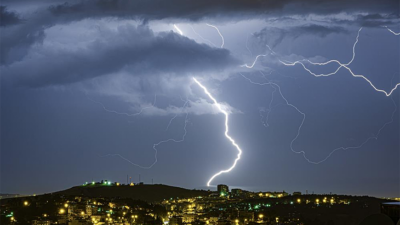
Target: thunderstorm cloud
[[83, 78]]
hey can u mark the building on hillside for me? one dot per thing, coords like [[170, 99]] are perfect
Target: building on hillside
[[223, 190]]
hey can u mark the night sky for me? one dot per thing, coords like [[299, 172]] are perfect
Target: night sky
[[88, 88]]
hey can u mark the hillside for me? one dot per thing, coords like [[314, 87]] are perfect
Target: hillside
[[149, 193]]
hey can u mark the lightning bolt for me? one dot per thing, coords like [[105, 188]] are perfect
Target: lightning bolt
[[277, 87], [204, 39], [158, 143], [341, 65], [247, 46], [179, 30], [120, 113], [391, 31], [226, 132], [222, 37]]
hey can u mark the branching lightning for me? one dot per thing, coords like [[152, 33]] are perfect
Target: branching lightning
[[226, 131], [119, 113], [222, 37], [204, 39], [158, 143], [277, 87], [391, 31], [341, 65], [247, 47]]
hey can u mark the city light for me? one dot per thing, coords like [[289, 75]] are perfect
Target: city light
[[26, 203], [62, 211]]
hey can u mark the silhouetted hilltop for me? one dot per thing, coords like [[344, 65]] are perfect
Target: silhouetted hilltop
[[149, 193]]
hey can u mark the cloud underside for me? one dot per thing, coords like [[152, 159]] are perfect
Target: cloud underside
[[115, 56], [16, 39], [133, 50]]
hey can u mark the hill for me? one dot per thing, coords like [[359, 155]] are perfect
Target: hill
[[149, 193]]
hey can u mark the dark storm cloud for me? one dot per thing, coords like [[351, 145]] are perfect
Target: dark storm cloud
[[17, 39], [196, 10], [273, 35], [16, 42], [371, 20], [135, 50], [8, 18]]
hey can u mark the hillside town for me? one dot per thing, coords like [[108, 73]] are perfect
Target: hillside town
[[221, 207]]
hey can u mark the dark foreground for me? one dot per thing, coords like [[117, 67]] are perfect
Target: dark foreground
[[160, 204]]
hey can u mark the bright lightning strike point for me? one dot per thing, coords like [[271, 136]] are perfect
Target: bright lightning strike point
[[179, 30], [226, 132]]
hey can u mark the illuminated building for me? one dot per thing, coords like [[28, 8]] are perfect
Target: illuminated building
[[236, 192], [223, 190], [189, 218], [176, 220]]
